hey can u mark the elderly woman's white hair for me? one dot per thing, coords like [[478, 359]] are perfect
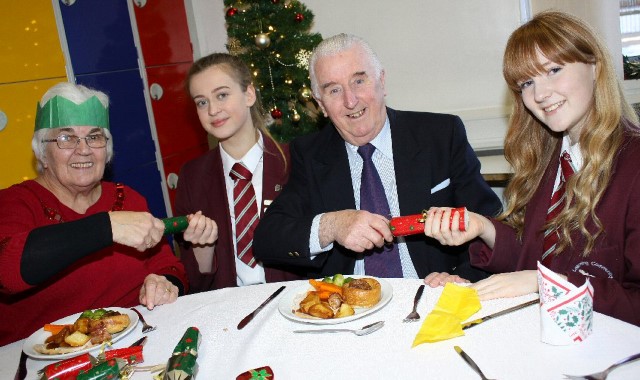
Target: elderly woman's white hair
[[78, 94], [335, 45]]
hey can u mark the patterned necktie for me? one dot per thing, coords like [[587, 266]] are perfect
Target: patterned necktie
[[385, 261], [246, 210], [556, 205]]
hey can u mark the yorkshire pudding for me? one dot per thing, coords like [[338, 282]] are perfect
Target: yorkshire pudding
[[362, 292]]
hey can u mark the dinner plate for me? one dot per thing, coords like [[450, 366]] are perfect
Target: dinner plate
[[39, 336], [290, 302]]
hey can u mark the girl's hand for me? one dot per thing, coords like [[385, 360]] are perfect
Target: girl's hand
[[507, 285], [436, 279], [438, 226], [201, 230]]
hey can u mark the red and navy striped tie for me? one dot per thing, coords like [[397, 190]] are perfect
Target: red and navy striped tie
[[246, 211], [556, 205]]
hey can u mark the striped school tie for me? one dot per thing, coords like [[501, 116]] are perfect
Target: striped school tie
[[246, 210], [556, 205]]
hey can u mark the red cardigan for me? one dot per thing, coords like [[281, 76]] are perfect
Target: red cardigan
[[110, 277], [613, 266]]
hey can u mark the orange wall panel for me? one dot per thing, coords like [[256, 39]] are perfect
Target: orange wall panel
[[18, 103], [29, 44]]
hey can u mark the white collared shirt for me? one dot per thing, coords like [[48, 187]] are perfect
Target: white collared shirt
[[383, 161], [253, 161], [576, 158]]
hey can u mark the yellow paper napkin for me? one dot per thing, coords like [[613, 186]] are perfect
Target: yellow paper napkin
[[456, 304]]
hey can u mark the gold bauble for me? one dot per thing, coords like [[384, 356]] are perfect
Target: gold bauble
[[263, 40], [295, 117], [305, 94]]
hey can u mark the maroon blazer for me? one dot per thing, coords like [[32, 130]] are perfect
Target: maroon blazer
[[201, 186], [613, 266]]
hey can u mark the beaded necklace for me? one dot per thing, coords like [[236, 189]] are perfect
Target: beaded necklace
[[118, 204]]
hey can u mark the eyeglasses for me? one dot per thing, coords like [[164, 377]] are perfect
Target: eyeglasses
[[71, 141]]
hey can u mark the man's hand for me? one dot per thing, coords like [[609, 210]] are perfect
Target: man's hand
[[356, 230]]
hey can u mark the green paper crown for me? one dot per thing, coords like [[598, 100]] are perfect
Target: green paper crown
[[60, 112]]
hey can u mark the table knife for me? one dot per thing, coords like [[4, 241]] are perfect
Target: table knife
[[249, 317], [470, 361], [475, 322]]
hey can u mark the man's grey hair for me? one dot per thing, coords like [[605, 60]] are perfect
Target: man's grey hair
[[76, 93], [335, 45]]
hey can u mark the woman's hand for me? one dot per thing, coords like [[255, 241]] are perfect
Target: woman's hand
[[201, 230], [507, 285], [436, 279], [139, 230], [438, 226], [157, 290]]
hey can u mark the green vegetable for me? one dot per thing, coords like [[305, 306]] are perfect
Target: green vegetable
[[347, 280], [93, 314], [338, 279], [328, 279]]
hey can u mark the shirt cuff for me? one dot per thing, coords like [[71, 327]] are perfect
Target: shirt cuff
[[314, 238]]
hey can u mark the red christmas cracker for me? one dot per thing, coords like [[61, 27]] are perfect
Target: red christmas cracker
[[262, 373], [414, 224]]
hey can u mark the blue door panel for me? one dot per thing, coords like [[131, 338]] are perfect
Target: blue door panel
[[134, 161], [99, 36], [146, 180], [128, 118]]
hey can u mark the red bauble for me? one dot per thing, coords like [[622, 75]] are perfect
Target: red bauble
[[299, 17], [276, 113], [232, 12]]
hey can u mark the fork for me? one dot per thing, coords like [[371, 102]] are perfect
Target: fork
[[414, 316], [603, 374], [145, 326]]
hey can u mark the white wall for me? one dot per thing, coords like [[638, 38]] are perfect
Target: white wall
[[439, 55]]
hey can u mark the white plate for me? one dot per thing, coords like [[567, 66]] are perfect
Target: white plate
[[39, 336], [291, 301]]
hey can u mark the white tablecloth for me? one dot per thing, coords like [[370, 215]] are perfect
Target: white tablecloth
[[508, 347]]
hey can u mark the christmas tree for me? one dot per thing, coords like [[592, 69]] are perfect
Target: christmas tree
[[273, 38]]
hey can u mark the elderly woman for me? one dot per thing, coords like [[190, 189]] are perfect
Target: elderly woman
[[70, 242]]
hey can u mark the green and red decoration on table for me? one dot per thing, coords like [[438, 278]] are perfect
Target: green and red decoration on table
[[175, 224], [111, 369], [86, 366], [414, 224], [262, 373], [182, 364]]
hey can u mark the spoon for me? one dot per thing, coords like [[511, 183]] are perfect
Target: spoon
[[368, 329]]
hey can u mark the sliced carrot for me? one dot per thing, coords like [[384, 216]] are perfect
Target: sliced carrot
[[324, 294], [54, 329], [325, 286]]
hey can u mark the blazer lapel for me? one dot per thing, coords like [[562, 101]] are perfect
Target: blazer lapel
[[332, 174], [412, 181], [273, 174]]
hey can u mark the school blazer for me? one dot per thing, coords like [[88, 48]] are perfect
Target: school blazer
[[201, 186]]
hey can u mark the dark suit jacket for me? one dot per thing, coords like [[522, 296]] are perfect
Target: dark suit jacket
[[201, 186], [613, 266], [428, 149]]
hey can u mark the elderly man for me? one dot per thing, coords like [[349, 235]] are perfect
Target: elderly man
[[371, 164]]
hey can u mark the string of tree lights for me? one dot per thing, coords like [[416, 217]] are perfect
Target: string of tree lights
[[273, 37]]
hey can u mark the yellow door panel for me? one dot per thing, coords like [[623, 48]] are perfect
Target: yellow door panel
[[29, 44], [17, 116]]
